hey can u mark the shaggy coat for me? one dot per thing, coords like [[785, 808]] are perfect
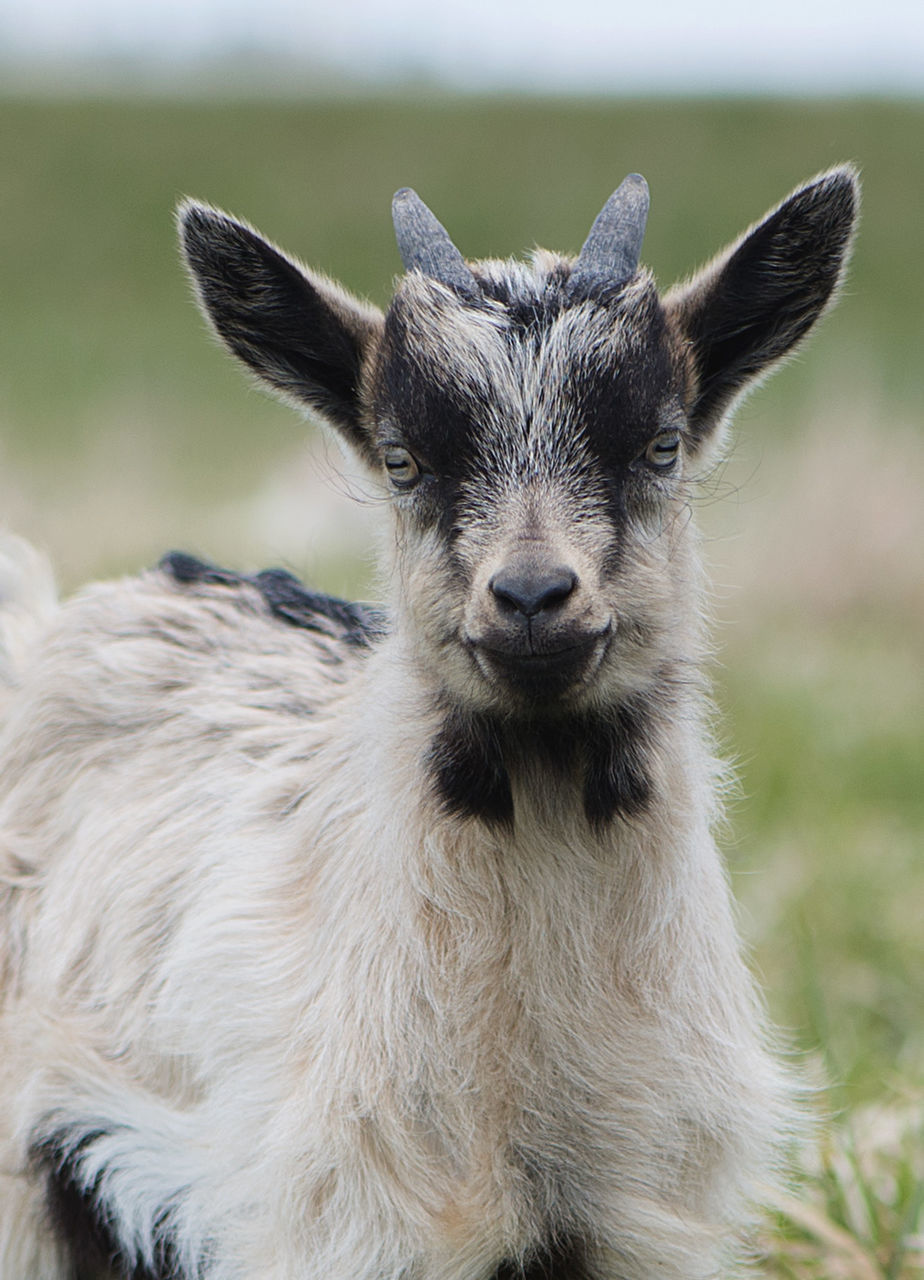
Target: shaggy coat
[[338, 944]]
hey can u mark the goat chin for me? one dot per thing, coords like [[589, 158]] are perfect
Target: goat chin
[[330, 949]]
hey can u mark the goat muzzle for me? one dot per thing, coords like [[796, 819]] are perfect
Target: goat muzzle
[[538, 660]]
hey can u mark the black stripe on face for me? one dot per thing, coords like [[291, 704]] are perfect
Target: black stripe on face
[[82, 1223], [434, 411], [439, 420], [623, 391]]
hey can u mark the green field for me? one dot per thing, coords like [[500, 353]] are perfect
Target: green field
[[123, 430]]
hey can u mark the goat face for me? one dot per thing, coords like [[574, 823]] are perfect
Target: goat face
[[536, 425], [535, 450]]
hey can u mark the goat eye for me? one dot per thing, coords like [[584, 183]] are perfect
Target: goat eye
[[402, 467], [663, 450]]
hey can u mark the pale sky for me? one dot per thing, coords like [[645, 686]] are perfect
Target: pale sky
[[557, 45]]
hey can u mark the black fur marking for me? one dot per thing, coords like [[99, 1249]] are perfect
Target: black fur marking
[[561, 1260], [356, 624], [617, 777], [609, 759], [619, 393], [82, 1223], [437, 420], [530, 312], [307, 344], [466, 762], [769, 293], [622, 398]]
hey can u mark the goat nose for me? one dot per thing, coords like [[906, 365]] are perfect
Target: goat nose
[[529, 590]]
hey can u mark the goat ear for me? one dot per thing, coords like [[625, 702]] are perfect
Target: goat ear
[[761, 296], [303, 335]]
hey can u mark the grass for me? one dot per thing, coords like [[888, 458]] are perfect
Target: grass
[[859, 1213], [123, 430]]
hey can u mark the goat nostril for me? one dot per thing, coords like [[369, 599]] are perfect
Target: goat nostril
[[530, 591]]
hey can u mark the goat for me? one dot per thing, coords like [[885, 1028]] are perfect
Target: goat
[[348, 944]]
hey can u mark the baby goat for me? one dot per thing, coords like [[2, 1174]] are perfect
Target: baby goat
[[347, 945]]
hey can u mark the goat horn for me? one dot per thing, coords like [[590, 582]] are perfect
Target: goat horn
[[424, 244], [611, 252]]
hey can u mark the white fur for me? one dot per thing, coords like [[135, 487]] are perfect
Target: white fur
[[331, 1031]]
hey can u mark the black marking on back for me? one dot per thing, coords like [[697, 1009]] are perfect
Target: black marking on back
[[82, 1223], [561, 1260], [287, 599], [466, 763]]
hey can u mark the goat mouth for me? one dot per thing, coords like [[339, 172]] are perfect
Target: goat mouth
[[543, 674]]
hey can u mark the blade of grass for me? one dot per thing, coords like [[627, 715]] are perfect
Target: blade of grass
[[819, 1226], [904, 1239]]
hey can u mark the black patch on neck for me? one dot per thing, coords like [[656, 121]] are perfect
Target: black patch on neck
[[287, 599], [617, 772], [466, 762], [561, 1260], [82, 1223], [608, 757]]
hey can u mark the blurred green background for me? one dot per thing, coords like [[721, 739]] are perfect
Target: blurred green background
[[125, 431]]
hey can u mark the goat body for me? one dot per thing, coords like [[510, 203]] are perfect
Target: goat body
[[359, 945]]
